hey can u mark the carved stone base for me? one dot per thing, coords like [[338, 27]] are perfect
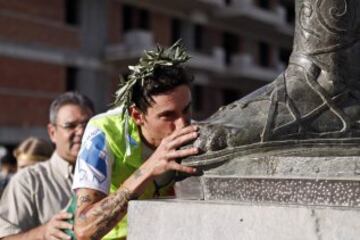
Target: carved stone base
[[308, 181]]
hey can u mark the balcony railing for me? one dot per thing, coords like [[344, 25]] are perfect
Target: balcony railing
[[210, 62], [243, 65], [188, 5], [245, 10], [133, 46]]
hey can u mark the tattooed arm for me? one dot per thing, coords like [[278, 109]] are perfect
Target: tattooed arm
[[94, 218], [97, 213]]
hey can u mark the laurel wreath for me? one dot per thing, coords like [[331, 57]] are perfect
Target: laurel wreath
[[151, 59]]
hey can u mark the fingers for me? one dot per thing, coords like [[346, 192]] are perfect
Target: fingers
[[57, 224], [182, 153], [183, 131], [58, 234], [180, 168], [62, 215], [163, 158], [63, 225], [180, 141]]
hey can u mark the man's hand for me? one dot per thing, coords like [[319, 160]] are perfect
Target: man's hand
[[163, 159], [47, 231], [54, 228]]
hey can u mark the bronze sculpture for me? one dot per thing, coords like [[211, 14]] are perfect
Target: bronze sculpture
[[314, 103]]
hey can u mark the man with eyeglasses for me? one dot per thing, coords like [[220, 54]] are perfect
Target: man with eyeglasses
[[32, 204]]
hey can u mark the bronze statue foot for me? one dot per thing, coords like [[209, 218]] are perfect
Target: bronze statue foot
[[314, 104]]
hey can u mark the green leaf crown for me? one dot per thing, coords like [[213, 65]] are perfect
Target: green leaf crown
[[172, 56]]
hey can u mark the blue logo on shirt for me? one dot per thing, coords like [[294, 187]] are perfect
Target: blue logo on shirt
[[95, 156]]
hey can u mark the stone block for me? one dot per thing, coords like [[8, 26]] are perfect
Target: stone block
[[214, 220]]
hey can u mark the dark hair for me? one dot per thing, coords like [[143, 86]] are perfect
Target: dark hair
[[164, 79], [69, 98]]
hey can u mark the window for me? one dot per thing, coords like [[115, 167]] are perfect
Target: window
[[193, 35], [199, 38], [265, 4], [127, 18], [228, 2], [144, 19], [231, 46], [264, 54], [71, 76], [175, 30], [72, 8], [135, 18]]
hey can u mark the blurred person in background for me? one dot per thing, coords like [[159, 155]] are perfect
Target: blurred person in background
[[32, 150], [31, 205], [7, 168]]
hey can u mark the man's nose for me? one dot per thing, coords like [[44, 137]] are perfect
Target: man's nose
[[182, 122]]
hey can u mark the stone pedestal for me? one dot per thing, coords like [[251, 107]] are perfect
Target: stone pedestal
[[214, 220], [318, 181], [258, 198]]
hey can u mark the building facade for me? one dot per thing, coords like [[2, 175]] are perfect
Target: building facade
[[48, 47]]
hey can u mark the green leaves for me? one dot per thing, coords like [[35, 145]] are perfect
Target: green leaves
[[172, 56]]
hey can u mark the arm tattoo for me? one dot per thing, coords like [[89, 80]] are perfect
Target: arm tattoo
[[109, 212], [83, 199], [86, 199]]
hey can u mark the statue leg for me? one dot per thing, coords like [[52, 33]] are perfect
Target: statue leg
[[314, 102]]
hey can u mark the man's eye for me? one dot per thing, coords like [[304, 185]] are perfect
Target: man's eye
[[69, 125], [165, 117], [168, 116]]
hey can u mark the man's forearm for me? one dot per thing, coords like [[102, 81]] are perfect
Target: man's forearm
[[102, 216], [36, 233], [95, 220]]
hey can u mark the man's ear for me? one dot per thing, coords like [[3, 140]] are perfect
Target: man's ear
[[51, 131], [136, 115]]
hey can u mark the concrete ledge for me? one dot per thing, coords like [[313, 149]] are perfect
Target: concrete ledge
[[194, 220]]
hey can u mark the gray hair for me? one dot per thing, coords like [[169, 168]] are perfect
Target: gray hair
[[74, 98]]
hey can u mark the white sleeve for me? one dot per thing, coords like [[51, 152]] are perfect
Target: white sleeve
[[93, 164]]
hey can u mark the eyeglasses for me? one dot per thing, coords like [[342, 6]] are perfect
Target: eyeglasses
[[72, 126]]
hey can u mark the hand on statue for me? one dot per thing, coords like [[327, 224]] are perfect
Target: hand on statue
[[163, 159], [54, 228]]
